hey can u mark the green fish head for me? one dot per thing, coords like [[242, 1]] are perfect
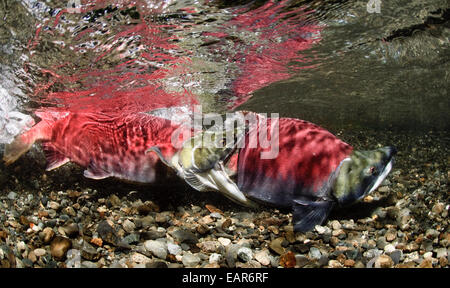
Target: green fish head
[[207, 148], [361, 173]]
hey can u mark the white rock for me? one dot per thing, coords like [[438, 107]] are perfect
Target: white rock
[[128, 226], [190, 260], [21, 246], [139, 258], [36, 228], [39, 252], [350, 224], [174, 249], [245, 254], [314, 253], [224, 241], [262, 257], [389, 248], [53, 205], [73, 259], [336, 225], [320, 229], [411, 256], [216, 215], [157, 248], [12, 195], [88, 264], [323, 229], [215, 258], [19, 263], [441, 252], [116, 264]]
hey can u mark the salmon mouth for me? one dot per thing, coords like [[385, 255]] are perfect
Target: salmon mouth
[[390, 152]]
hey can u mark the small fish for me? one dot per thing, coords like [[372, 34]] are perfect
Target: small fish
[[106, 146], [312, 172]]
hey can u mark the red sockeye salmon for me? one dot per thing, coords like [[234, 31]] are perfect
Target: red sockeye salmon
[[107, 146]]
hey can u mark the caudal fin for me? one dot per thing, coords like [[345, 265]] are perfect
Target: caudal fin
[[15, 149], [23, 142]]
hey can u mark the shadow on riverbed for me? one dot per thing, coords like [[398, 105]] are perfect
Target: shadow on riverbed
[[358, 210]]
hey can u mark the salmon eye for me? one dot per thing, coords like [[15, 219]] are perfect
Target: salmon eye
[[372, 170]]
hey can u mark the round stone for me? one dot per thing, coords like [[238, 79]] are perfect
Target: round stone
[[157, 248], [262, 257], [190, 260], [245, 254], [128, 226], [59, 247], [174, 249], [215, 258], [224, 241], [39, 252]]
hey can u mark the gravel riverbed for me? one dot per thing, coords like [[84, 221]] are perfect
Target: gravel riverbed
[[60, 219]]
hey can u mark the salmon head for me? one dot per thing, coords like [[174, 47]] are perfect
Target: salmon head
[[201, 161], [357, 175], [361, 173]]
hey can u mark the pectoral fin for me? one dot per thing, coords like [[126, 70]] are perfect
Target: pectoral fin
[[199, 181], [308, 214]]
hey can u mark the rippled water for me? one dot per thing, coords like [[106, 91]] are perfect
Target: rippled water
[[330, 62], [387, 70]]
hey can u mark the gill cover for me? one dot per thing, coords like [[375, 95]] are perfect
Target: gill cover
[[361, 173]]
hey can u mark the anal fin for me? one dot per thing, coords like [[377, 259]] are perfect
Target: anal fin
[[95, 172], [54, 158], [307, 214]]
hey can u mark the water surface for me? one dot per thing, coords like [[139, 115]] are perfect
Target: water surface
[[335, 63]]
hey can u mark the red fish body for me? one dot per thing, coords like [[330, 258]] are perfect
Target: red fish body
[[107, 146], [283, 162], [307, 156], [310, 171]]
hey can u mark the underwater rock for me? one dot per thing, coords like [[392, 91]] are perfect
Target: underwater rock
[[189, 260], [157, 248], [59, 246], [107, 232]]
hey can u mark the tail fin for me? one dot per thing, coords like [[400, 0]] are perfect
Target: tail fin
[[15, 149], [23, 142]]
